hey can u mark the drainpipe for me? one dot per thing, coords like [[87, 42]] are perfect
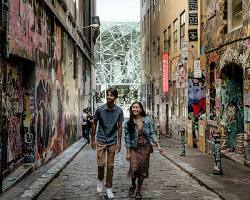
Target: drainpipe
[[5, 20], [1, 130]]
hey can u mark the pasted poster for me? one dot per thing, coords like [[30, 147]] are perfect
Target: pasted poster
[[181, 75]]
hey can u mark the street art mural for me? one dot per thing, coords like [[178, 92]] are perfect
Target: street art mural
[[29, 28], [49, 120], [41, 95], [28, 124], [232, 114], [196, 104], [70, 91], [231, 99], [196, 98]]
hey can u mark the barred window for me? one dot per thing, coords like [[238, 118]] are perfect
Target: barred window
[[234, 14]]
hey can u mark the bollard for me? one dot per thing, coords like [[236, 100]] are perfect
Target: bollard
[[217, 155], [182, 147]]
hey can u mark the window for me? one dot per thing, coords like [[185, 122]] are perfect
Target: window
[[165, 41], [169, 38], [142, 26], [159, 6], [234, 14], [182, 28], [154, 51], [175, 34], [154, 8], [158, 46], [148, 57]]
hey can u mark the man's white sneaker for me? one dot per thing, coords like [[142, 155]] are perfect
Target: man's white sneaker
[[99, 187], [109, 193]]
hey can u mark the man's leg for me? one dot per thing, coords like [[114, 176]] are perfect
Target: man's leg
[[87, 134], [83, 131], [101, 159], [110, 164]]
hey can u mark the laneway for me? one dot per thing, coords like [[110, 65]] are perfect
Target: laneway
[[78, 180]]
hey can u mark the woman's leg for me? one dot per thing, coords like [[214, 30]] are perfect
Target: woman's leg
[[132, 189], [133, 181], [140, 181]]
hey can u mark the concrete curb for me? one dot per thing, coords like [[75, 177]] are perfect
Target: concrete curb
[[11, 181], [33, 190], [195, 174]]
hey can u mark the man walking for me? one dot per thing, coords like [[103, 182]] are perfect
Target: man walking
[[107, 139], [83, 122]]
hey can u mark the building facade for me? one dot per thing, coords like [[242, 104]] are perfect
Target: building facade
[[47, 66], [227, 43], [169, 49], [195, 60]]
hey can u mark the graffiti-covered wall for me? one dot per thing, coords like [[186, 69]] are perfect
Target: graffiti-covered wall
[[29, 28], [228, 59], [43, 92]]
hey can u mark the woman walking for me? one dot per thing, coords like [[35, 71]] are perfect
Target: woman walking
[[139, 134]]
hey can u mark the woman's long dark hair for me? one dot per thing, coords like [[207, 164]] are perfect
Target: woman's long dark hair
[[131, 124]]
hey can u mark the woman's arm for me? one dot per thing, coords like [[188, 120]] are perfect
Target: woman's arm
[[127, 136], [128, 156], [154, 138]]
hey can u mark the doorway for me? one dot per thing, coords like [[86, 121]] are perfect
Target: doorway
[[167, 121], [232, 112]]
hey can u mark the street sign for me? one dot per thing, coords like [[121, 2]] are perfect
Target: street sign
[[192, 5], [184, 51], [193, 35], [193, 18]]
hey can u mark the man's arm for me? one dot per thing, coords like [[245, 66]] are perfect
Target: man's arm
[[93, 143], [119, 143]]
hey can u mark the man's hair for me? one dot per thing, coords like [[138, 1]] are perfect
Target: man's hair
[[113, 92]]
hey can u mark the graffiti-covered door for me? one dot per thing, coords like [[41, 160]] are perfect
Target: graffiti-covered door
[[13, 112], [232, 114]]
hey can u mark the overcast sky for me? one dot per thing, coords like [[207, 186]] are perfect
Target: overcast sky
[[118, 10]]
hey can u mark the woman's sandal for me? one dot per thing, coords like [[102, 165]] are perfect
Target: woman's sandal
[[138, 195], [131, 191]]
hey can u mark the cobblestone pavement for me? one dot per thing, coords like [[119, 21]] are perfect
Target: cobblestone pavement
[[166, 181]]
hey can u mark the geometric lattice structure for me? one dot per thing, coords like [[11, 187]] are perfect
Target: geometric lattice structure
[[118, 54]]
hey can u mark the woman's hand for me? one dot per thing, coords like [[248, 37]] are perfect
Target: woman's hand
[[128, 157], [161, 151]]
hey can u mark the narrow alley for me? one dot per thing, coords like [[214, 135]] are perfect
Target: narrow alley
[[72, 72], [166, 181]]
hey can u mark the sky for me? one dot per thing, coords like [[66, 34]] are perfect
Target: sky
[[118, 10]]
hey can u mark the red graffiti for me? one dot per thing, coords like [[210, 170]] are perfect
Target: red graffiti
[[214, 57], [24, 28]]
